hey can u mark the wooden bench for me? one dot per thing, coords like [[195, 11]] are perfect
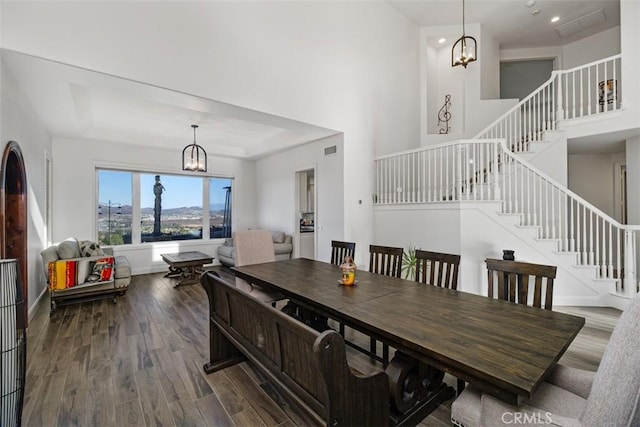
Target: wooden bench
[[309, 366]]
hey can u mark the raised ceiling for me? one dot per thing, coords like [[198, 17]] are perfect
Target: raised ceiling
[[77, 103]]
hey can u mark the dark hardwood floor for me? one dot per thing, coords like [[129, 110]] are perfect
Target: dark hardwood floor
[[139, 362]]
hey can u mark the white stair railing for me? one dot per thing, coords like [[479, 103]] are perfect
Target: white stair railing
[[589, 89], [487, 170], [579, 92], [453, 171]]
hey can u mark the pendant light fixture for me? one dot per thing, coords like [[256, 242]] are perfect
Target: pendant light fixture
[[465, 49], [194, 158]]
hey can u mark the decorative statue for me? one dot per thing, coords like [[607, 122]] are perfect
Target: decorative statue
[[158, 188]]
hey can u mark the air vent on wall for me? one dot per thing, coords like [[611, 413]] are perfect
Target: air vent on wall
[[581, 23], [330, 150]]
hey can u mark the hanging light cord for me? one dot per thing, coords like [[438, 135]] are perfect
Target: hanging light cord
[[463, 33]]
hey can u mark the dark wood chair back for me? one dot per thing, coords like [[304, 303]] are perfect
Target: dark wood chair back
[[339, 250], [385, 260], [510, 280], [438, 269]]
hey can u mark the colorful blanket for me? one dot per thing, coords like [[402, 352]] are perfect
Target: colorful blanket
[[64, 274]]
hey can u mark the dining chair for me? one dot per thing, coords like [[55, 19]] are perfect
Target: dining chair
[[438, 269], [570, 396], [254, 247], [510, 281], [386, 260], [339, 250]]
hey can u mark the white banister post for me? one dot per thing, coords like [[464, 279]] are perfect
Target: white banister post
[[630, 282], [560, 109], [496, 175]]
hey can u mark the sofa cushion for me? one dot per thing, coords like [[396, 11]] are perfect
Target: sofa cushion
[[83, 269], [225, 251], [68, 249], [277, 236], [90, 248], [282, 248]]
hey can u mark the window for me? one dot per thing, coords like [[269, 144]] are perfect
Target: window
[[163, 207], [219, 207], [114, 207], [171, 207]]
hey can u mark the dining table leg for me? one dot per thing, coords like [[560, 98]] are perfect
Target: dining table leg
[[416, 388]]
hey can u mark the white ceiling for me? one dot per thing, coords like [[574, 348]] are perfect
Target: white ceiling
[[78, 103], [512, 22]]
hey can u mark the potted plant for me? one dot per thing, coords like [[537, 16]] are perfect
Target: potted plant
[[409, 263]]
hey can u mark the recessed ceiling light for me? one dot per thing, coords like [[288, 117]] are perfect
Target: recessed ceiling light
[[555, 19], [535, 12], [442, 40]]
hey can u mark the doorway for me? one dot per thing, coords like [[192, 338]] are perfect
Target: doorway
[[620, 192], [13, 212], [306, 213]]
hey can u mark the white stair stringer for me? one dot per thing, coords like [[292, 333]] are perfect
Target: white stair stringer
[[545, 251]]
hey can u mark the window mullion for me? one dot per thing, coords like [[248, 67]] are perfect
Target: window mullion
[[136, 217], [206, 205]]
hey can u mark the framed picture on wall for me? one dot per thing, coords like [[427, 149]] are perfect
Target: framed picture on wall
[[606, 91]]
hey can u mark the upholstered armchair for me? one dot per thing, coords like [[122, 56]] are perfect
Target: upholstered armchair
[[572, 397], [254, 247]]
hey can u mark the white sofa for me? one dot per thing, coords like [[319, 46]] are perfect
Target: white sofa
[[72, 249], [282, 245]]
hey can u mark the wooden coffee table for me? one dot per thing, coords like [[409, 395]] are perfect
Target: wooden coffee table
[[186, 265]]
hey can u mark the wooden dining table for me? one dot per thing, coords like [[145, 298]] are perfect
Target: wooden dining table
[[506, 349]]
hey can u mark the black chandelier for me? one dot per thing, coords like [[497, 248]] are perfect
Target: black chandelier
[[465, 49], [194, 158]]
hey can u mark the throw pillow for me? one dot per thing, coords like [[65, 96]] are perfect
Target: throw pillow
[[278, 236], [89, 248], [83, 270], [102, 270], [68, 249]]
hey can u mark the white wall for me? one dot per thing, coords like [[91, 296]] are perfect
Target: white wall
[[475, 231], [630, 48], [553, 52], [432, 227], [550, 156], [633, 179], [489, 53], [471, 89], [591, 176], [74, 199], [20, 123], [601, 45], [349, 66], [275, 192]]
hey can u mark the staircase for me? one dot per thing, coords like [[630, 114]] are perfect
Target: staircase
[[497, 173]]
